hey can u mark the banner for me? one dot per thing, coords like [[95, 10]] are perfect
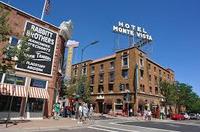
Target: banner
[[42, 45]]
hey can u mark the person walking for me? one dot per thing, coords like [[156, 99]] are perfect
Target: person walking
[[80, 113], [56, 110], [85, 111]]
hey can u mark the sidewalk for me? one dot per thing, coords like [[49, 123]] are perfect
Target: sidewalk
[[39, 125]]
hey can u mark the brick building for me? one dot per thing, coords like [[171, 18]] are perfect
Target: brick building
[[128, 70], [37, 81]]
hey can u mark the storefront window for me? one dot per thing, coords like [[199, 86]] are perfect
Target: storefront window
[[35, 105], [38, 83], [5, 101], [10, 79]]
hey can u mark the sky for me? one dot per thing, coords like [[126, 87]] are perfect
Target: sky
[[173, 24]]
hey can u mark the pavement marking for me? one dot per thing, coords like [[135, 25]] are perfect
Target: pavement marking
[[173, 125], [102, 129], [157, 129], [116, 128]]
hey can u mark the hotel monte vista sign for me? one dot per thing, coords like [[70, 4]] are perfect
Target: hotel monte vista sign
[[41, 42], [131, 30]]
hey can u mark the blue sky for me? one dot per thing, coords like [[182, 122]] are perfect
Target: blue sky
[[174, 25]]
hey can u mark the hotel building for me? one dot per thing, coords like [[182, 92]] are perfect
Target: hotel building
[[127, 71]]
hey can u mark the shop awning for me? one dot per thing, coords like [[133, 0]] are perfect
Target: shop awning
[[13, 90], [35, 92]]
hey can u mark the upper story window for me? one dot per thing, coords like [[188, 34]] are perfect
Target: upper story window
[[125, 61], [142, 88], [156, 90], [12, 79], [112, 65], [38, 83], [122, 87], [101, 77], [150, 90], [156, 79], [112, 77], [92, 79], [92, 69], [168, 77], [110, 87], [154, 69], [13, 41], [84, 70], [141, 73], [149, 77], [75, 71], [91, 89], [141, 62], [149, 66], [100, 89], [101, 67], [125, 73], [160, 73]]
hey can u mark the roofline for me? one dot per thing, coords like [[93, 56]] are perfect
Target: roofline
[[129, 49], [81, 62], [158, 64], [5, 4]]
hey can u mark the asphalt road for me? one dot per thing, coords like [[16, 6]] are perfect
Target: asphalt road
[[165, 126]]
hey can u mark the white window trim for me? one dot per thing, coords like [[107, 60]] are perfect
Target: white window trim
[[122, 61]]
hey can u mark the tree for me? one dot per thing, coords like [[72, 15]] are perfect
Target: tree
[[79, 87], [11, 55], [4, 26], [168, 90]]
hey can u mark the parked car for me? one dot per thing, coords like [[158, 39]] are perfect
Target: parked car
[[186, 116], [193, 116], [177, 117]]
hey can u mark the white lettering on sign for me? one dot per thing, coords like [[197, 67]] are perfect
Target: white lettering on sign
[[132, 30]]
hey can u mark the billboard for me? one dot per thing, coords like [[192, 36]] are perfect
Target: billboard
[[42, 44]]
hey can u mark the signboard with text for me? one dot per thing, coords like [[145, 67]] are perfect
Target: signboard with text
[[42, 44]]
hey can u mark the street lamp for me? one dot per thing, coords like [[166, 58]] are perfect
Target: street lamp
[[128, 99], [83, 49]]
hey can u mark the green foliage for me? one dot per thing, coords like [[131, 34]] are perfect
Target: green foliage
[[77, 87], [4, 26]]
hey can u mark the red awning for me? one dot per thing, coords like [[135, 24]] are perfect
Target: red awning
[[13, 90], [35, 92]]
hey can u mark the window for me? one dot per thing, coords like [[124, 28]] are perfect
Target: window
[[156, 90], [160, 73], [15, 105], [13, 41], [84, 70], [142, 88], [35, 105], [155, 79], [154, 69], [150, 89], [110, 87], [112, 77], [91, 89], [112, 65], [168, 76], [101, 67], [10, 79], [75, 71], [38, 83], [141, 73], [125, 73], [150, 78], [127, 86], [125, 61], [1, 75], [92, 69], [100, 89], [149, 66], [141, 63], [121, 87], [101, 78], [92, 79]]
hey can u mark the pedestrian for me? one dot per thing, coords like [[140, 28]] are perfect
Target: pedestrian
[[56, 110], [131, 112], [85, 111], [149, 114], [91, 110], [80, 113]]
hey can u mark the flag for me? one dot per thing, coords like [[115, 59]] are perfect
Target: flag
[[47, 7]]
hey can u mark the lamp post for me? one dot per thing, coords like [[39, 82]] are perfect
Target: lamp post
[[83, 49]]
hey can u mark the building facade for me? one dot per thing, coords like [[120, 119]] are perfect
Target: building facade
[[126, 80], [36, 83]]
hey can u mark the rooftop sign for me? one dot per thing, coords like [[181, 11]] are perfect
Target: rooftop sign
[[132, 30]]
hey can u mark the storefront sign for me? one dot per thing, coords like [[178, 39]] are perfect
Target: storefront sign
[[42, 43], [132, 30]]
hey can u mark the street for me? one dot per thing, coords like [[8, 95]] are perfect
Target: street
[[123, 125]]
